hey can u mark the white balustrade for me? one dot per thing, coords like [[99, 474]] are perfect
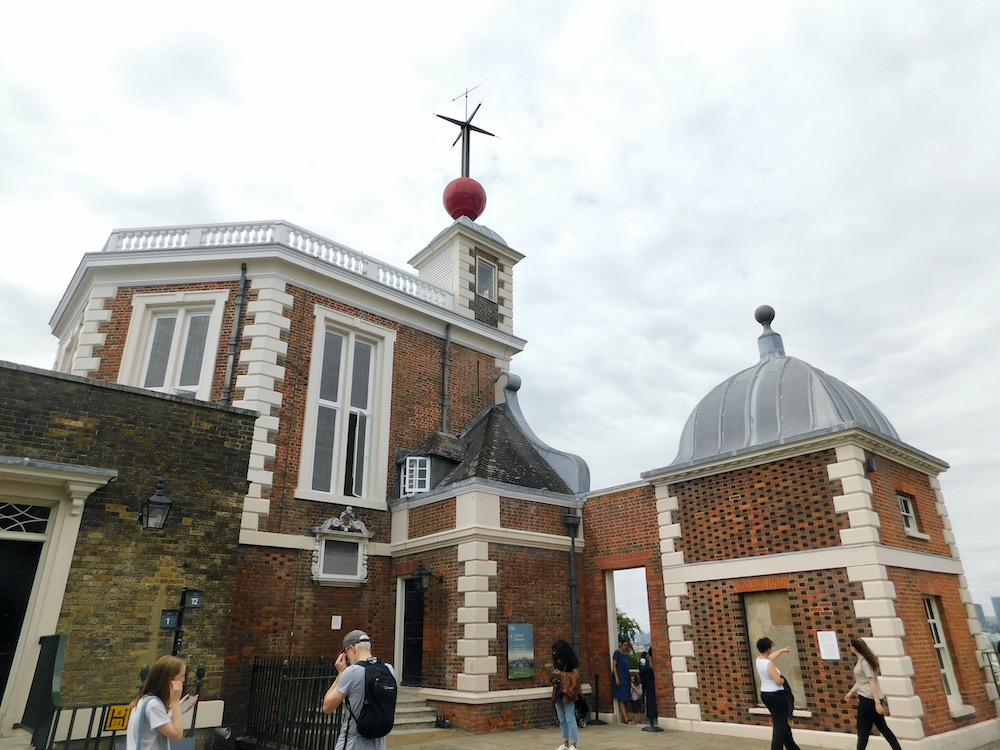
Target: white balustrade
[[279, 233]]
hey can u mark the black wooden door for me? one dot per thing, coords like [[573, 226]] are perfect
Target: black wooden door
[[18, 561], [413, 634]]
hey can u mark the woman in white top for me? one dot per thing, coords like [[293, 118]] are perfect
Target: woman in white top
[[870, 709], [157, 710], [772, 693]]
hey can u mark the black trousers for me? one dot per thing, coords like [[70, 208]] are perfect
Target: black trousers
[[781, 736], [867, 715]]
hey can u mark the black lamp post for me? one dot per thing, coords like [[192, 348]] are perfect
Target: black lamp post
[[572, 523], [154, 511]]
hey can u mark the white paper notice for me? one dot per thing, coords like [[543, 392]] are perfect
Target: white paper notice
[[828, 646]]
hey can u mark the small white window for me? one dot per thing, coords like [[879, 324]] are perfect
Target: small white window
[[340, 556], [941, 649], [906, 510], [486, 280], [418, 475]]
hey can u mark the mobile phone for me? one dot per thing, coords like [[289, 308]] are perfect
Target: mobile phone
[[188, 702]]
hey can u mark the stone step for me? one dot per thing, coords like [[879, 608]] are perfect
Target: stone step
[[18, 739], [413, 713]]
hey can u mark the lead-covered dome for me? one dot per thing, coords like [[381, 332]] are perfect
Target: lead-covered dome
[[778, 400]]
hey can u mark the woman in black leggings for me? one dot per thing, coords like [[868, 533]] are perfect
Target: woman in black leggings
[[772, 694], [870, 709]]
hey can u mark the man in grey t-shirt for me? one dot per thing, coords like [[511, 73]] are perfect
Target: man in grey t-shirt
[[350, 684]]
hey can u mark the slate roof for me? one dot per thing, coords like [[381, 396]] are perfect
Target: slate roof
[[498, 451]]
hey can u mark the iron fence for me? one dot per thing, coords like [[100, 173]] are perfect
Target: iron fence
[[285, 709]]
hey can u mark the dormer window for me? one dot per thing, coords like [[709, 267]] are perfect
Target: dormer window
[[417, 475], [486, 280], [340, 556]]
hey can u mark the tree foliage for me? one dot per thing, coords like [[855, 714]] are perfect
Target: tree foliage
[[627, 627]]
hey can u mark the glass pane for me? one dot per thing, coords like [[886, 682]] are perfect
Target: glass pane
[[340, 558], [329, 383], [27, 519], [194, 351], [947, 685], [361, 376], [352, 441], [159, 353], [361, 452], [484, 279], [326, 430]]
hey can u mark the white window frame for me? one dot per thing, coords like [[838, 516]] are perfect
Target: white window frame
[[373, 493], [416, 475], [947, 667], [146, 309], [335, 530], [908, 511], [488, 290]]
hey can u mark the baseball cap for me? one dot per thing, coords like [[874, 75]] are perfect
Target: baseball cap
[[355, 637]]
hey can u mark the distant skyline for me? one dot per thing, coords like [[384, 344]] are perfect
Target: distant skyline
[[664, 167]]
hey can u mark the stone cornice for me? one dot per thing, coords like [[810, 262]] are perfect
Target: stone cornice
[[221, 264], [489, 534], [820, 559], [896, 451]]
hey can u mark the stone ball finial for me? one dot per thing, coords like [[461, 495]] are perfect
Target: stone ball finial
[[764, 315], [464, 197]]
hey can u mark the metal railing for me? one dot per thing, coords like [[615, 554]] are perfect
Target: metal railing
[[279, 233], [285, 709], [45, 694], [990, 660]]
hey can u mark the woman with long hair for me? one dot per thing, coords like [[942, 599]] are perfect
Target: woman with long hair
[[566, 689], [870, 709], [772, 693], [157, 711]]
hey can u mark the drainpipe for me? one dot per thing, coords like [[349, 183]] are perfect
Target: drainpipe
[[446, 360], [227, 390]]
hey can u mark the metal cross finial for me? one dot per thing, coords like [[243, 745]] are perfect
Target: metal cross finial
[[467, 128]]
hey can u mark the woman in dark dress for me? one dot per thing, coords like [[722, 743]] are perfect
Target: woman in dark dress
[[621, 690]]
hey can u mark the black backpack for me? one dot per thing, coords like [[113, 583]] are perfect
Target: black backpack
[[378, 712]]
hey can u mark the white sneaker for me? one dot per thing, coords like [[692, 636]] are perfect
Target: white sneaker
[[563, 746]]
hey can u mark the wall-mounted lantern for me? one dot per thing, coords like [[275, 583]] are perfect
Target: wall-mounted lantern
[[422, 578], [154, 511]]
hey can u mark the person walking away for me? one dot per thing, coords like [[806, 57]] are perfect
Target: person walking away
[[621, 691], [870, 709], [648, 681], [566, 681], [772, 693], [350, 685], [158, 709]]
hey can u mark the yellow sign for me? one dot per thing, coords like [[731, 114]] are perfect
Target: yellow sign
[[117, 718]]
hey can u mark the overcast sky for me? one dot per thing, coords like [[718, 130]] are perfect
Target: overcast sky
[[665, 168]]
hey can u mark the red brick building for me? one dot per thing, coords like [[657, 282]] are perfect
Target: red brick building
[[390, 443]]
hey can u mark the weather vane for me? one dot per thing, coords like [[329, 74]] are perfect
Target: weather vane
[[466, 127]]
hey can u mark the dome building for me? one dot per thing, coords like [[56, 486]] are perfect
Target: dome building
[[794, 510]]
